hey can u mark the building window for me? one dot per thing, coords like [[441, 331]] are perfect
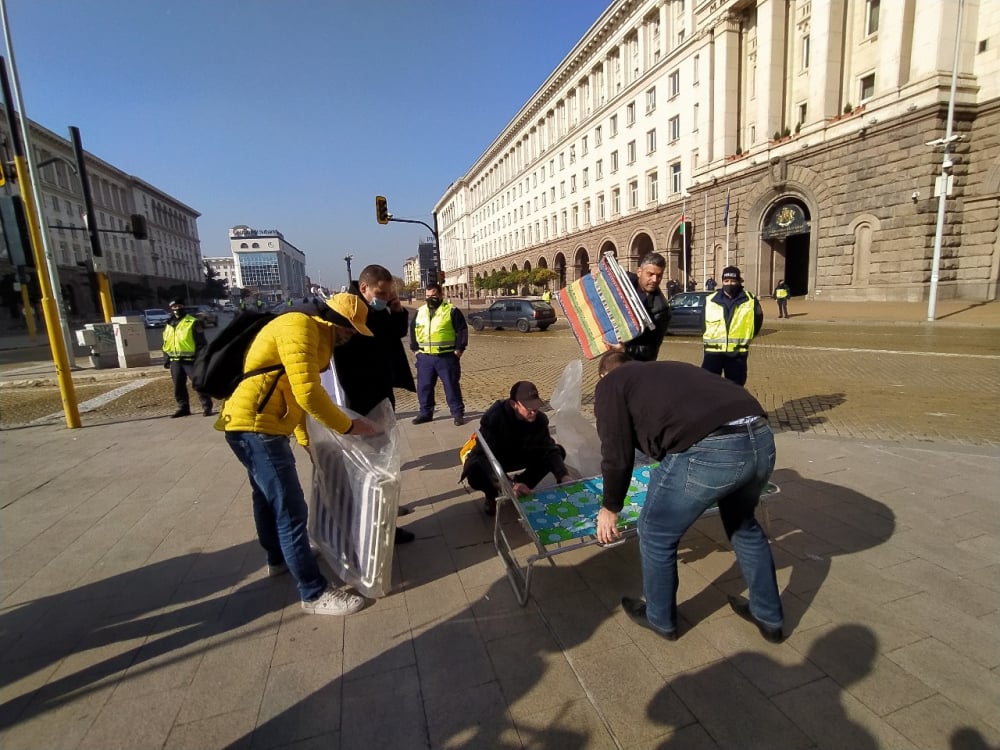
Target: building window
[[576, 218], [674, 127], [552, 167], [652, 187], [614, 125], [583, 146], [651, 100], [675, 177], [586, 213], [630, 150], [562, 189], [871, 16], [614, 162], [600, 207], [694, 118], [805, 52], [599, 170], [680, 37], [598, 140], [651, 141], [694, 74], [803, 111], [630, 113], [867, 87], [562, 160], [586, 176], [572, 183], [674, 83], [616, 202], [633, 194]]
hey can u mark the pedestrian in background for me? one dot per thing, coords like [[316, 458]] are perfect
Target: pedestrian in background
[[439, 335], [673, 287], [733, 317], [781, 294], [183, 338], [517, 433], [266, 409], [710, 284], [713, 446]]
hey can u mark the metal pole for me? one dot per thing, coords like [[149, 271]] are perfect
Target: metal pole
[[704, 245], [50, 300], [946, 165], [103, 288]]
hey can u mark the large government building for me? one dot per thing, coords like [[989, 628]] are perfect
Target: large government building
[[141, 272], [799, 139]]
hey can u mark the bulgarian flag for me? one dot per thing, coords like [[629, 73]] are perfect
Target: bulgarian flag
[[683, 223]]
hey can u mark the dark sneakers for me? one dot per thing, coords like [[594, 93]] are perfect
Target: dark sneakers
[[636, 610], [422, 418], [182, 412], [742, 608], [490, 506], [459, 421]]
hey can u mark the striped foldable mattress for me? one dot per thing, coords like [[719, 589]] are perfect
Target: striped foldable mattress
[[603, 308]]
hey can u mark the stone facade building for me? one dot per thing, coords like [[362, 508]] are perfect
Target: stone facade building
[[814, 121]]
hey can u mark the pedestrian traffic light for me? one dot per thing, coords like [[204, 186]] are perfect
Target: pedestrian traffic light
[[15, 231], [381, 209]]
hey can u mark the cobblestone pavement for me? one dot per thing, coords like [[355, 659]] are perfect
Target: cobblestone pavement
[[854, 381]]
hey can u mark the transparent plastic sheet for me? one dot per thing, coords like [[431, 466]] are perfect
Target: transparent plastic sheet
[[571, 429], [355, 500]]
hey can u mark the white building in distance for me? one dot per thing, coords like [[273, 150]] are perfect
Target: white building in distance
[[266, 265], [793, 138]]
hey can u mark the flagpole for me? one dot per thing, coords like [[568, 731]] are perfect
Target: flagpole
[[704, 245], [684, 242]]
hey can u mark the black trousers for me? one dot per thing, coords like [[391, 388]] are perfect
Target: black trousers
[[731, 366], [179, 373]]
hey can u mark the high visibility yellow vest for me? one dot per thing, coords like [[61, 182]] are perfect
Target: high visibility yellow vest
[[781, 293], [178, 340], [740, 333], [435, 335]]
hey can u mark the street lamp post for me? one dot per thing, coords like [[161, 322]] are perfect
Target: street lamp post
[[946, 167], [347, 259]]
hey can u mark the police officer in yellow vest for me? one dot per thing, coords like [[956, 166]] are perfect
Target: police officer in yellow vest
[[733, 317], [183, 337], [781, 294], [439, 336]]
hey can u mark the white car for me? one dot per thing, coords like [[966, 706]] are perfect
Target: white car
[[156, 317]]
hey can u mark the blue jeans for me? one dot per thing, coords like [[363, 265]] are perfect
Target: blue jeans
[[279, 507], [449, 368], [729, 470]]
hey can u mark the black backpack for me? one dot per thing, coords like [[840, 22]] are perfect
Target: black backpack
[[218, 368]]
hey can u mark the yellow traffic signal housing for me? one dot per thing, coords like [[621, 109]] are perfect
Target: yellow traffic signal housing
[[381, 209]]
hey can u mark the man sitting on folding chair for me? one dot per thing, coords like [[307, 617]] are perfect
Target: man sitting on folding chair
[[518, 434], [714, 446]]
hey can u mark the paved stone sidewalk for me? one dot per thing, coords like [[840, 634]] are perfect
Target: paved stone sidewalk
[[136, 612]]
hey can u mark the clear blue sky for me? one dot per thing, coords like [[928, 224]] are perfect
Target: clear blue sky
[[293, 114]]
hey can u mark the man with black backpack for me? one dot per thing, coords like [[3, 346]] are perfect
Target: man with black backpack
[[279, 387]]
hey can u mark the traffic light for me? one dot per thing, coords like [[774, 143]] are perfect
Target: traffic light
[[381, 209], [137, 223], [15, 231]]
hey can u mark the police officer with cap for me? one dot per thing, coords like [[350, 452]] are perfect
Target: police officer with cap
[[183, 338], [733, 317]]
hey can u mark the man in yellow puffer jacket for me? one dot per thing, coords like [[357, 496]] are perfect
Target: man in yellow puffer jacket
[[264, 411]]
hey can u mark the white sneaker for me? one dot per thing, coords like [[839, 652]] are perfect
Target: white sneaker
[[334, 602]]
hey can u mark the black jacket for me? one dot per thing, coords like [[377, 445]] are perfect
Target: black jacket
[[518, 444], [659, 408], [646, 346], [369, 367]]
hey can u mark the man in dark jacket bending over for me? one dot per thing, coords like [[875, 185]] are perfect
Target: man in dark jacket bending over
[[518, 434]]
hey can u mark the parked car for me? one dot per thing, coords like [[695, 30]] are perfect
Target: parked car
[[156, 317], [515, 312], [206, 315], [687, 313]]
